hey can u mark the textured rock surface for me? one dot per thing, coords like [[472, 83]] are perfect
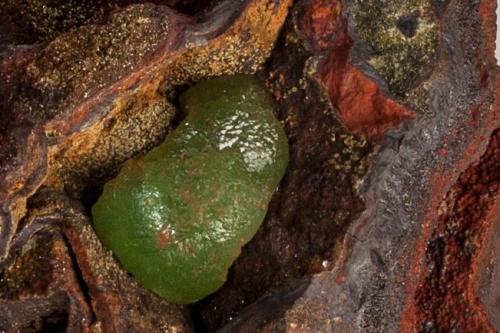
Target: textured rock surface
[[178, 216], [386, 220]]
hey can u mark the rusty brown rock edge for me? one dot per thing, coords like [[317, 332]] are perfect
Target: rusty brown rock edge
[[373, 286], [446, 297], [45, 292]]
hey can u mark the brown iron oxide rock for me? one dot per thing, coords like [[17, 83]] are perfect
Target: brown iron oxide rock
[[386, 221]]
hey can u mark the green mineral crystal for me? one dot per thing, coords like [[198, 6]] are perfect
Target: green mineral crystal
[[177, 217]]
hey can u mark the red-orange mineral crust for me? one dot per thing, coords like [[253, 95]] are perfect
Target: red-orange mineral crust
[[362, 106]]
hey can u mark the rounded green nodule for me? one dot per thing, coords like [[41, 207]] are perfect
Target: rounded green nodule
[[177, 217]]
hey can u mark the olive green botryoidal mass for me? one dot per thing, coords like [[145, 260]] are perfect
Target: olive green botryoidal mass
[[177, 217]]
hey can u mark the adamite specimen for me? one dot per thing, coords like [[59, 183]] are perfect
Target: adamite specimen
[[178, 216]]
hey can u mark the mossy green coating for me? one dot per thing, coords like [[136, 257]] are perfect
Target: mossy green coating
[[401, 60], [177, 217]]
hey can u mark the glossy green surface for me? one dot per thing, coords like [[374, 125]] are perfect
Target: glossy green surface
[[177, 217]]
